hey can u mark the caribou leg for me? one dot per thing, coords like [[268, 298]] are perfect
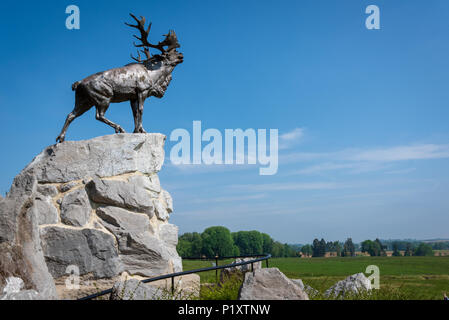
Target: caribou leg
[[137, 107], [101, 110], [77, 111]]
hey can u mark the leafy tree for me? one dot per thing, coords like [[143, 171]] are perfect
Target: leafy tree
[[382, 249], [289, 251], [337, 247], [408, 250], [241, 240], [396, 252], [248, 242], [374, 248], [306, 250], [190, 245], [267, 243], [423, 249], [236, 251], [316, 248], [278, 250], [367, 247], [256, 241], [348, 248], [217, 241], [322, 248], [330, 246], [184, 248]]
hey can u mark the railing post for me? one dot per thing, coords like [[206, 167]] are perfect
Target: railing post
[[216, 270], [252, 267], [173, 286], [267, 262]]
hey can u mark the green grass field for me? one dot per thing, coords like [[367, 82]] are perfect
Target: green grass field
[[409, 277]]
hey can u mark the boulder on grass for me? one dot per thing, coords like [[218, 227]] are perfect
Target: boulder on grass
[[13, 291], [270, 284], [353, 284], [310, 291], [133, 289]]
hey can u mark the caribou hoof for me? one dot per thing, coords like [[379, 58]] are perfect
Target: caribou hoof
[[60, 139], [119, 130], [140, 130]]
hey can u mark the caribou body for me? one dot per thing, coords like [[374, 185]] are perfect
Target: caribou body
[[134, 82]]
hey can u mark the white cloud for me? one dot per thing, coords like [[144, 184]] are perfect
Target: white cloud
[[352, 167], [289, 186], [289, 139], [209, 168], [294, 135], [401, 153], [391, 154], [401, 171], [366, 160], [325, 167], [230, 198]]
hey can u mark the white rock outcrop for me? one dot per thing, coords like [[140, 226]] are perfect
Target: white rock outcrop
[[96, 205]]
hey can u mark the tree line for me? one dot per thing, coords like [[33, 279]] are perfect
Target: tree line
[[219, 241], [374, 248], [319, 248]]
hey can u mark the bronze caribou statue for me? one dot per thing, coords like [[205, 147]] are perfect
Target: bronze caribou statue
[[134, 82]]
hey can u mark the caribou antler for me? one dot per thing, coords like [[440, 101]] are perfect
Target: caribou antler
[[171, 41], [145, 51]]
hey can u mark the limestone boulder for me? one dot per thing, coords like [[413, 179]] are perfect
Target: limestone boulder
[[169, 234], [122, 222], [352, 285], [90, 250], [122, 194], [310, 291], [270, 284], [187, 287], [104, 156], [21, 254], [13, 291], [46, 212], [140, 249], [146, 255], [150, 183], [47, 190], [168, 201], [134, 289], [160, 210], [75, 208]]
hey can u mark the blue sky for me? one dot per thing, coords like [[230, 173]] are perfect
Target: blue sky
[[362, 114]]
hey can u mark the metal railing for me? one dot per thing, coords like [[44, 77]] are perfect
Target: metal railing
[[183, 273]]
